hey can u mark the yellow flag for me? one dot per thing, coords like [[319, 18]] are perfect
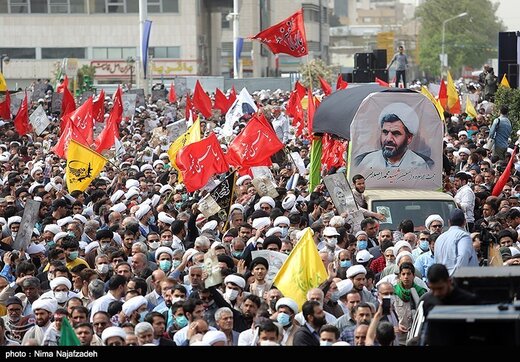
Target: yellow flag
[[3, 83], [453, 96], [504, 82], [188, 137], [83, 166], [470, 108], [301, 271], [435, 102]]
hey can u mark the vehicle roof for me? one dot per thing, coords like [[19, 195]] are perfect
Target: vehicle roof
[[399, 194]]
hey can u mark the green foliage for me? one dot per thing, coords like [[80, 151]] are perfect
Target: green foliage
[[511, 98], [470, 40], [86, 77], [316, 68]]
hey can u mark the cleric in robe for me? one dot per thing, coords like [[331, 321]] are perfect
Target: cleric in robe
[[399, 124]]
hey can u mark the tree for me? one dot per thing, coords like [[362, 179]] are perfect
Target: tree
[[470, 40], [315, 68], [511, 98], [86, 77]]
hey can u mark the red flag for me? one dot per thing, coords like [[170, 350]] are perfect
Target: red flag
[[302, 91], [108, 135], [443, 95], [295, 110], [202, 101], [5, 107], [327, 89], [21, 121], [332, 152], [255, 144], [190, 111], [287, 37], [68, 104], [69, 132], [98, 107], [382, 82], [505, 175], [222, 102], [199, 161], [65, 84], [82, 119], [311, 108], [233, 93], [172, 96], [341, 84]]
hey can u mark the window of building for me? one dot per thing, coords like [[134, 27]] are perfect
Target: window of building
[[170, 6], [3, 7], [77, 6], [166, 52], [59, 53], [39, 7], [116, 6], [58, 7], [154, 6], [113, 53], [19, 53], [311, 13], [132, 6], [19, 6]]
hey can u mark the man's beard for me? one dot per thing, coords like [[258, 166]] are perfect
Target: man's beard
[[396, 151]]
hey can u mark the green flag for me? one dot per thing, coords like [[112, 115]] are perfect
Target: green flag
[[315, 165], [68, 336]]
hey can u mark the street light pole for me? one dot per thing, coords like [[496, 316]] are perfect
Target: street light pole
[[443, 56]]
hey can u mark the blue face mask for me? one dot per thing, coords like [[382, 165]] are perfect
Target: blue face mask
[[345, 263], [71, 234], [51, 243], [362, 244], [74, 255], [178, 205], [424, 245], [334, 296], [165, 265], [283, 318], [142, 315], [176, 263], [181, 321], [151, 220], [285, 231], [237, 254]]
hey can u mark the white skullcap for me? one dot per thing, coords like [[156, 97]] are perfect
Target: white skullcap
[[241, 179], [53, 228], [14, 220], [281, 220], [164, 155], [401, 254], [60, 235], [360, 232], [405, 113], [212, 337], [163, 249], [266, 200], [113, 332], [35, 249], [391, 249], [155, 200], [36, 169], [60, 281], [36, 232], [272, 231], [135, 167], [133, 304], [514, 251], [143, 210], [156, 162], [210, 225], [432, 218], [165, 218], [287, 302], [462, 133], [190, 252], [235, 279], [355, 270], [83, 245], [289, 201], [236, 207], [2, 221], [121, 207], [330, 231], [344, 287], [131, 183], [337, 221], [48, 304], [341, 343], [91, 246], [464, 150], [400, 244], [165, 188], [116, 196], [33, 186], [64, 221], [88, 211], [260, 222], [363, 256], [131, 193], [81, 218], [146, 166]]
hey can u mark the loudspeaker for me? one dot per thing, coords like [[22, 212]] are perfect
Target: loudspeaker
[[507, 52], [491, 285], [362, 76], [363, 60], [483, 325], [512, 75], [347, 77], [379, 59], [381, 74]]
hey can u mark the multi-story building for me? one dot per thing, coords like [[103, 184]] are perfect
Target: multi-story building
[[188, 37]]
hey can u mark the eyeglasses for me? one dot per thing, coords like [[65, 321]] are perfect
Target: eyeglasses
[[484, 169], [436, 226]]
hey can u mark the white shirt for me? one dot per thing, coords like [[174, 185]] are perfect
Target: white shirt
[[465, 198]]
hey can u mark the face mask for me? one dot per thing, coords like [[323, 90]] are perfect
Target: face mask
[[165, 265], [424, 245], [104, 246], [178, 205], [74, 255], [181, 321], [325, 343], [142, 315], [237, 254], [13, 234], [285, 232], [268, 343], [272, 304], [332, 242], [362, 244], [50, 244], [231, 294], [61, 297], [177, 299], [176, 263], [50, 276], [154, 245], [345, 263], [167, 243], [334, 296], [71, 234], [151, 220], [283, 318], [102, 268]]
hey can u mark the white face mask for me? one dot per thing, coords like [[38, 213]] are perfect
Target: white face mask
[[102, 268], [177, 299], [231, 294], [166, 243], [332, 242], [325, 343], [61, 297], [154, 245], [50, 276]]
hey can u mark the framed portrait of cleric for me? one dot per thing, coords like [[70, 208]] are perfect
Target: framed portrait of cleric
[[396, 142]]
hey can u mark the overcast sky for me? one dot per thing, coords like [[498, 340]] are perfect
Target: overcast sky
[[508, 12]]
